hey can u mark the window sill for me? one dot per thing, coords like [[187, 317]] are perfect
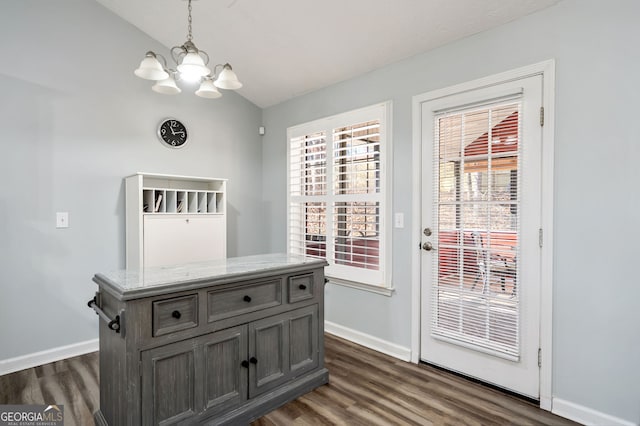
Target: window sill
[[385, 291]]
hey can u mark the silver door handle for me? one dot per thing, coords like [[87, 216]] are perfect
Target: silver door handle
[[427, 246]]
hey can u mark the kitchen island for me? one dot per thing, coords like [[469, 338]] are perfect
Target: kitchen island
[[218, 342]]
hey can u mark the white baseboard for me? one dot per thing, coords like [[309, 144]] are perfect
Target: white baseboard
[[546, 403], [368, 340], [50, 355], [586, 415]]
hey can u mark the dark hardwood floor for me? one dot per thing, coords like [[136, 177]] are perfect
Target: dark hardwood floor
[[366, 388], [72, 382]]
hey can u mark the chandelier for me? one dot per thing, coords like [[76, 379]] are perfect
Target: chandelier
[[191, 66]]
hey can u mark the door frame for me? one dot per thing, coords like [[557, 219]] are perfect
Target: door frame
[[547, 70]]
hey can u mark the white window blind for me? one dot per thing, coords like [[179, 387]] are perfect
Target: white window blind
[[477, 159], [337, 190]]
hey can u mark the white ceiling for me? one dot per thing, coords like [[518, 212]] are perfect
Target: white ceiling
[[284, 48]]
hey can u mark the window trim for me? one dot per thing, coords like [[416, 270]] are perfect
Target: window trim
[[381, 111]]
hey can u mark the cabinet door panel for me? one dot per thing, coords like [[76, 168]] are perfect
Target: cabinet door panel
[[283, 347], [268, 344], [303, 340], [169, 384], [175, 239], [225, 378]]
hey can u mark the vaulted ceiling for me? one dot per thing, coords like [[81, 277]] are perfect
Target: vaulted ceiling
[[281, 49]]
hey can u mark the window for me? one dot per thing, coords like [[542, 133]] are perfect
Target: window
[[478, 161], [338, 206]]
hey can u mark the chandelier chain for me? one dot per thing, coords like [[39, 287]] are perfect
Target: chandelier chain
[[189, 36]]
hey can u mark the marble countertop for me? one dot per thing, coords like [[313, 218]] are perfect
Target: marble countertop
[[128, 284]]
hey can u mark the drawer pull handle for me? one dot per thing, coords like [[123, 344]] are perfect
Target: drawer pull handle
[[253, 360], [245, 363], [176, 314], [247, 299], [302, 287]]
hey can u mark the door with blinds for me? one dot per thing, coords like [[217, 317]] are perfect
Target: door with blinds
[[481, 201]]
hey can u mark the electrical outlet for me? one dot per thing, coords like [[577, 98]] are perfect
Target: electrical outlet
[[62, 220]]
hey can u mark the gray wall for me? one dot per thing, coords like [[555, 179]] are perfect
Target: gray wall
[[596, 320], [75, 121]]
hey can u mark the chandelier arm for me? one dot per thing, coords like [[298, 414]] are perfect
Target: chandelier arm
[[164, 60], [214, 71], [176, 56], [205, 54]]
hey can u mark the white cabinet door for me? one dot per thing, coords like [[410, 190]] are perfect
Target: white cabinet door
[[175, 239]]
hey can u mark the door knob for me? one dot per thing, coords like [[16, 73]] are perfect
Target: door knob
[[427, 246]]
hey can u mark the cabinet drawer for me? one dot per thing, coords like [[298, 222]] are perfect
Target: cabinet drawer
[[300, 288], [241, 300], [175, 314]]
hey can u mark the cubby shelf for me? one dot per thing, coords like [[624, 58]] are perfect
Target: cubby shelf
[[165, 200], [167, 219]]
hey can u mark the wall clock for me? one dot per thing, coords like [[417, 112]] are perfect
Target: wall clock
[[172, 133]]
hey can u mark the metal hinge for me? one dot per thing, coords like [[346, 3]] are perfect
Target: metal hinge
[[539, 357], [541, 116], [540, 237]]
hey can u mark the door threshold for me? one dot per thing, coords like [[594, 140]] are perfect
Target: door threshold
[[532, 401]]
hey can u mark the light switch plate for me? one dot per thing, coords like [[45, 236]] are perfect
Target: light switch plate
[[62, 220], [399, 220]]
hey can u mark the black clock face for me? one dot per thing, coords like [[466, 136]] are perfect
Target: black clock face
[[173, 133]]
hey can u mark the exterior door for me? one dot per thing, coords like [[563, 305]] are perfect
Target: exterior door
[[481, 218]]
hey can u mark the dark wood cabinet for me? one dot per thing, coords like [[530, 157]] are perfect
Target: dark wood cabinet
[[222, 351]]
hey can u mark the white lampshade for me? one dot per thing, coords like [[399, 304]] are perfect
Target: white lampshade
[[166, 87], [151, 69], [228, 79], [208, 90], [192, 67]]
